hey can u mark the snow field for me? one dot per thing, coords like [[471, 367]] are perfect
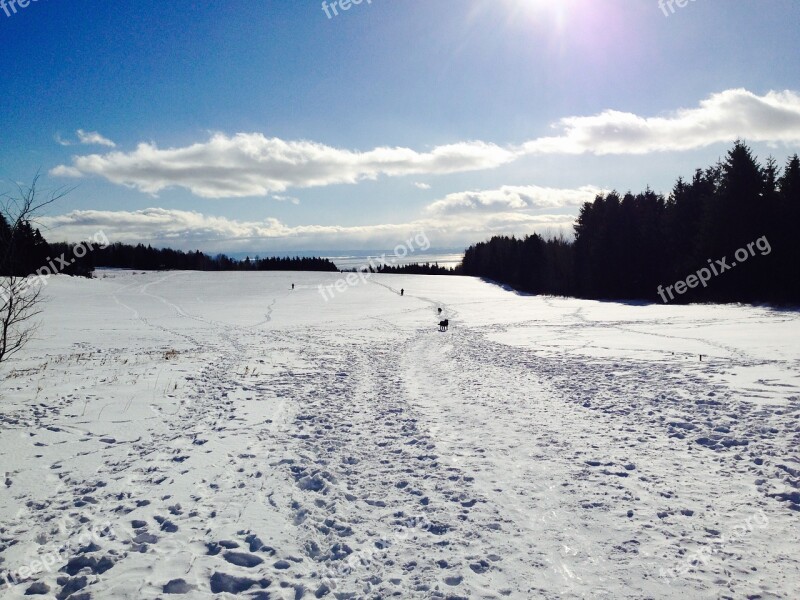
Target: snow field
[[220, 436]]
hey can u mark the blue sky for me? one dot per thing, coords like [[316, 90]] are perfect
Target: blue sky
[[266, 125]]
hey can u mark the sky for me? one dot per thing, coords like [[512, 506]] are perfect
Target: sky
[[271, 125]]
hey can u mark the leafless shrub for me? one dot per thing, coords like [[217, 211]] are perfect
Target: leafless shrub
[[20, 295]]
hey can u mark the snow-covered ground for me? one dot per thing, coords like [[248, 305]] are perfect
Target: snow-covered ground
[[220, 435]]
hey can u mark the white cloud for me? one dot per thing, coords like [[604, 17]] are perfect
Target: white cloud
[[290, 199], [723, 117], [90, 138], [64, 171], [509, 197], [250, 164], [191, 230], [422, 186], [94, 138]]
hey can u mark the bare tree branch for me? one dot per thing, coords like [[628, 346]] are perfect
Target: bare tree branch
[[20, 292]]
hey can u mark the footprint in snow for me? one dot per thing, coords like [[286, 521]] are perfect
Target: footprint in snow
[[178, 586], [242, 559]]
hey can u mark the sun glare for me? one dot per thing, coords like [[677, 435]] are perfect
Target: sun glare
[[553, 12]]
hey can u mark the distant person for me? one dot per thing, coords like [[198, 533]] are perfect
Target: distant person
[[292, 286], [402, 291], [440, 312]]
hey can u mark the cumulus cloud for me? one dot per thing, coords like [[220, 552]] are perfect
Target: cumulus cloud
[[159, 225], [723, 117], [250, 164], [191, 230], [422, 186], [94, 138], [509, 197], [88, 138]]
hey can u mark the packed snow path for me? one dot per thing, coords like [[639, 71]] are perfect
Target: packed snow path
[[219, 435]]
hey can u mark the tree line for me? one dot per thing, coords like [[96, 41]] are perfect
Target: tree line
[[126, 256], [22, 248], [633, 246], [33, 253], [418, 269]]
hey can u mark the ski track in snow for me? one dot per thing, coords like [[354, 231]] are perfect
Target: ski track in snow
[[190, 452]]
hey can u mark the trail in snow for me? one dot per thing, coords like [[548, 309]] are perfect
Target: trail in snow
[[219, 434]]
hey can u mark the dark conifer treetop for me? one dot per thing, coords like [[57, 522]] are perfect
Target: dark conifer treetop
[[626, 246]]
